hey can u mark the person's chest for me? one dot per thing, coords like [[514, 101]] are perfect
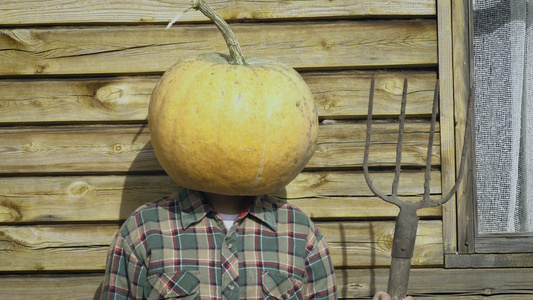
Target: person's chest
[[248, 261]]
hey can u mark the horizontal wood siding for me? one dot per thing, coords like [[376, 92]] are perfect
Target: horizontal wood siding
[[123, 148], [84, 247], [60, 12], [94, 198], [75, 153], [453, 284], [338, 95], [151, 49]]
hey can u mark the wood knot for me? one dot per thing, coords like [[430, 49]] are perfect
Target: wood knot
[[31, 147], [37, 103], [326, 45], [117, 148], [322, 148], [10, 211], [107, 96], [422, 259], [355, 286], [39, 69], [394, 87], [78, 189], [321, 180]]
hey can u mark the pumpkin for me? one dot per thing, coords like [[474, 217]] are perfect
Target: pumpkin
[[229, 125]]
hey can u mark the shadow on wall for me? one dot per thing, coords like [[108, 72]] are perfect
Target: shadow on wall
[[362, 285], [98, 292], [144, 182]]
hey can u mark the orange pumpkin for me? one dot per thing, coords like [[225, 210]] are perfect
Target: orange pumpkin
[[245, 128]]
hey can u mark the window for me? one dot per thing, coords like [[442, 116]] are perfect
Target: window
[[492, 59], [503, 93]]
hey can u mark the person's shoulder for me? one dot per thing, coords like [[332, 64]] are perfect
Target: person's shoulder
[[153, 212], [289, 213], [288, 207], [295, 222], [164, 203]]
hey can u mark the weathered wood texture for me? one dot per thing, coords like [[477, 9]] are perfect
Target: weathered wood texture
[[493, 284], [149, 49], [94, 198], [83, 247], [125, 99], [490, 260], [123, 148], [16, 12], [447, 116], [461, 216]]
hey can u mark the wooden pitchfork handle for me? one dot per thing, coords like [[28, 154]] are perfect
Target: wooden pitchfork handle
[[407, 221]]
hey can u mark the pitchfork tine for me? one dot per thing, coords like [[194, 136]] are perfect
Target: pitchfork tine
[[427, 175], [466, 145], [398, 167], [367, 145]]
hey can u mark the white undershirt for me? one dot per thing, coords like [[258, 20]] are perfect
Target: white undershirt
[[228, 219]]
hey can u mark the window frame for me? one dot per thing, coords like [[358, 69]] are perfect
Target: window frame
[[463, 246]]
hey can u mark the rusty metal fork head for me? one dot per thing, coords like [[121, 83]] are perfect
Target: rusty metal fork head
[[393, 198]]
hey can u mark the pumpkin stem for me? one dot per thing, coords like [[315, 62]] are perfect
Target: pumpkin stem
[[237, 58]]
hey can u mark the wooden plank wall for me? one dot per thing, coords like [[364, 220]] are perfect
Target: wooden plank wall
[[75, 153]]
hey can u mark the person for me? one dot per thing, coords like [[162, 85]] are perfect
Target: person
[[196, 245]]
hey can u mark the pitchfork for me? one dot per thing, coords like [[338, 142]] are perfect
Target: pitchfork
[[407, 220]]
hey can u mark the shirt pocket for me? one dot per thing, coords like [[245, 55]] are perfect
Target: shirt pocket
[[179, 285], [281, 286]]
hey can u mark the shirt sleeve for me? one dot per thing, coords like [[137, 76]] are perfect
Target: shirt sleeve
[[320, 275], [125, 274]]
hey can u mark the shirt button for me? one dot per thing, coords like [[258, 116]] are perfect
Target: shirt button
[[230, 245], [287, 295], [231, 287]]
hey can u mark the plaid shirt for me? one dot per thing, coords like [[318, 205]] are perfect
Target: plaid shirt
[[178, 247]]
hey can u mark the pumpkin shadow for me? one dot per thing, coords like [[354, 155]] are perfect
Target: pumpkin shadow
[[144, 181]]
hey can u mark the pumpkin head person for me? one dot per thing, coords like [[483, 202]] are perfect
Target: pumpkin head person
[[230, 125], [228, 130]]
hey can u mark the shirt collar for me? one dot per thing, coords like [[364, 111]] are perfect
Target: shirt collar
[[263, 209], [194, 207]]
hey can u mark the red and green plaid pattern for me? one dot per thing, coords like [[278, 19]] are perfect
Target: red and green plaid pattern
[[178, 247]]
